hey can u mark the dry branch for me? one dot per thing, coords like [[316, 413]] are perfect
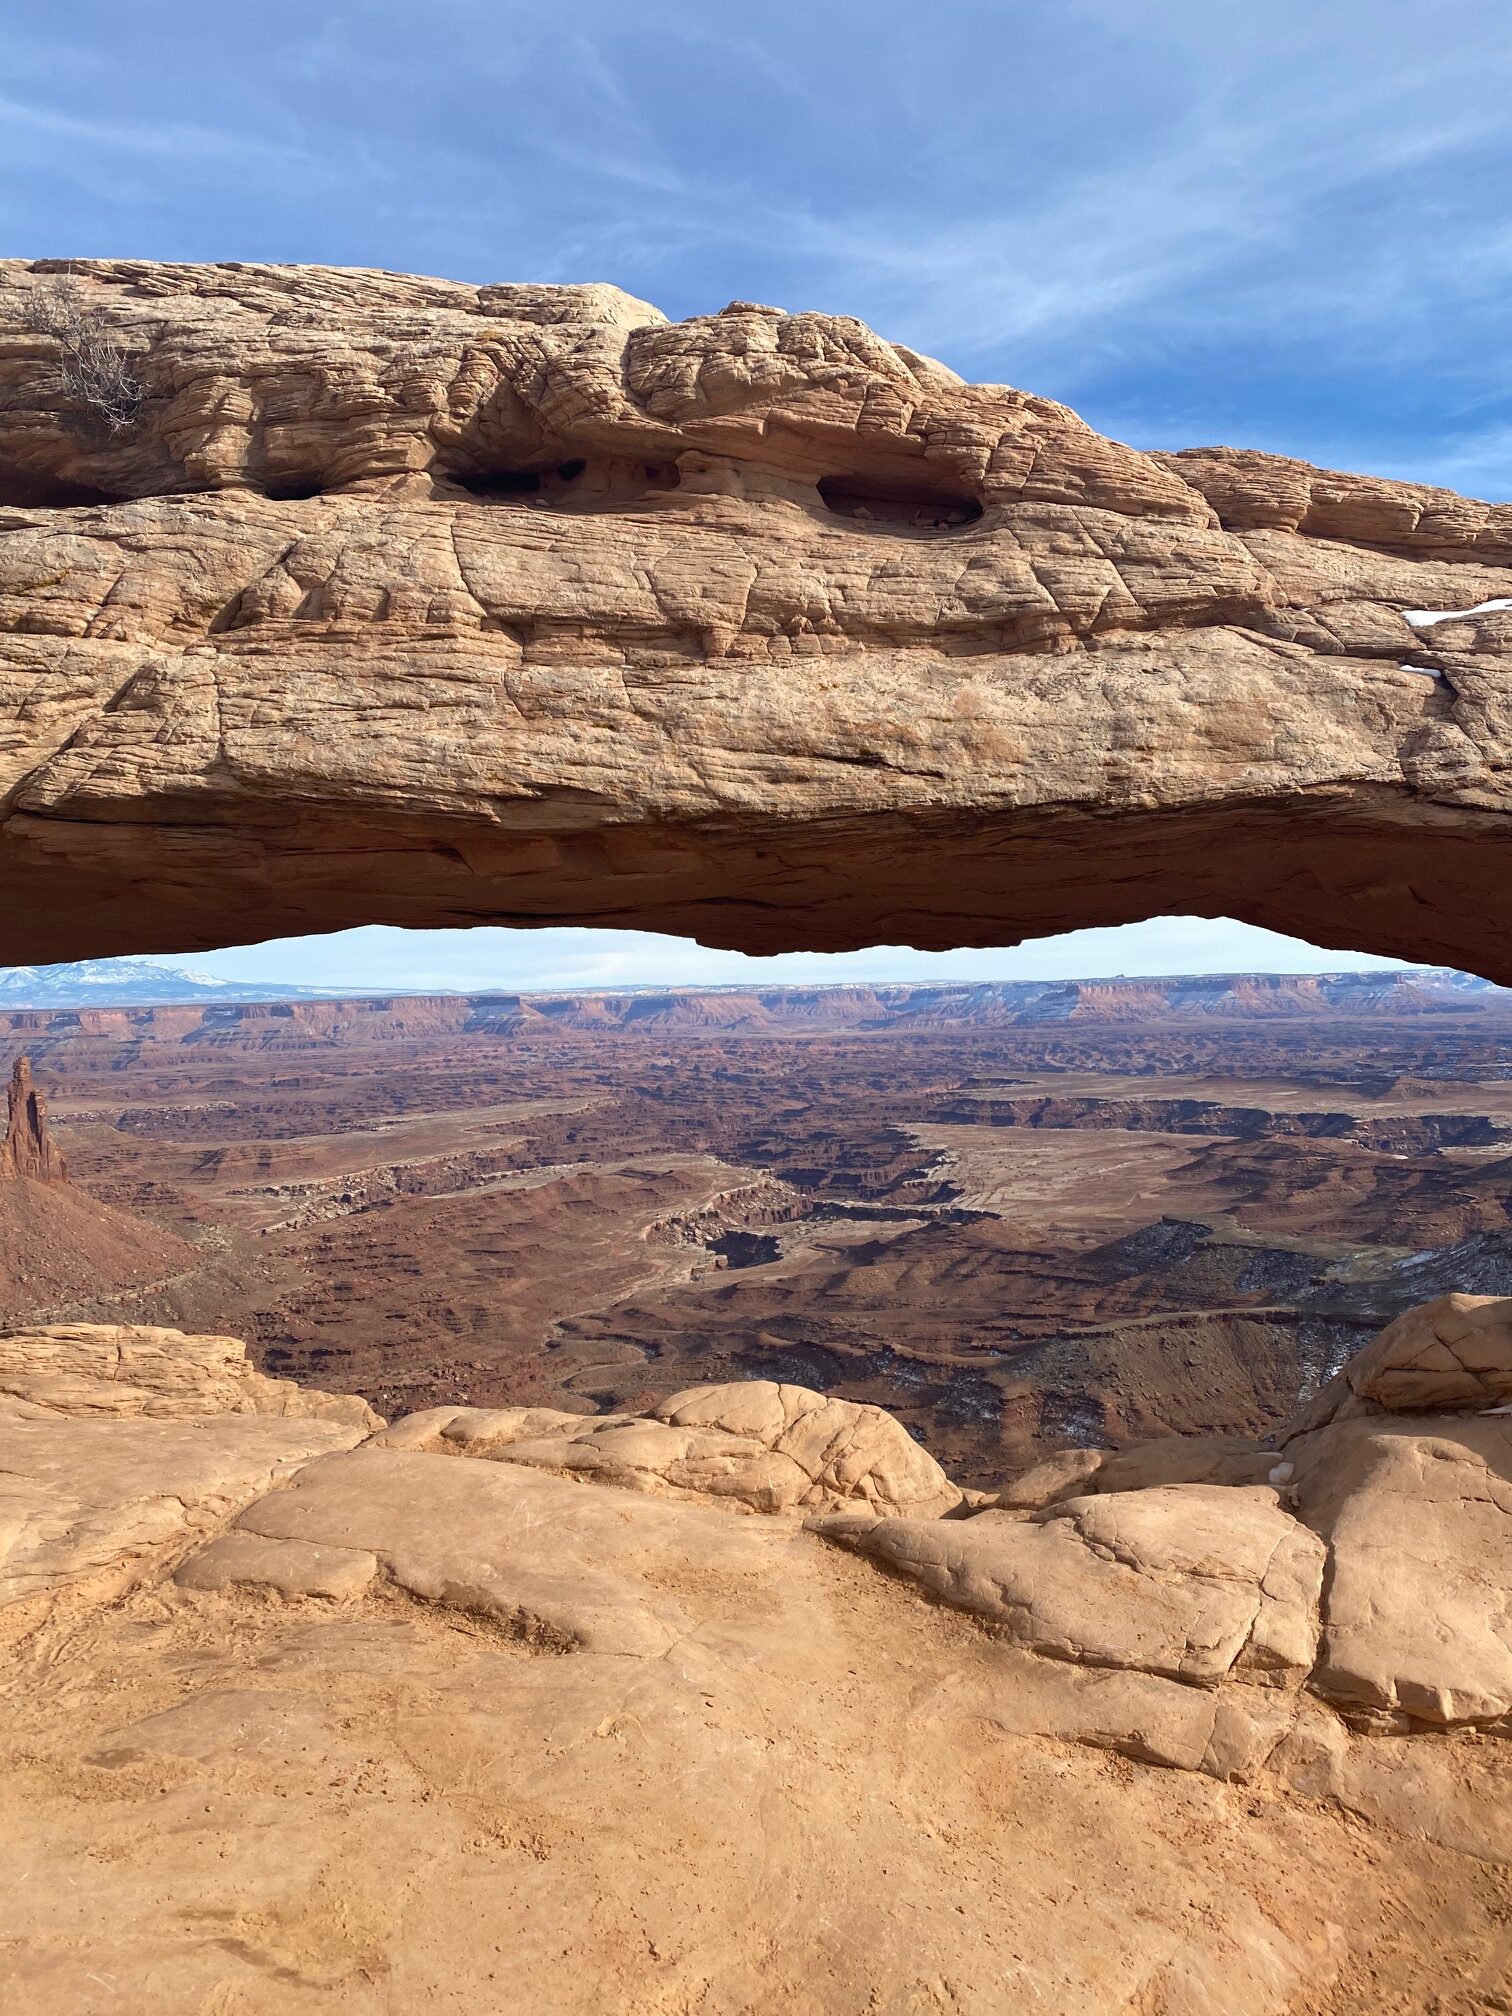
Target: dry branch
[[95, 371]]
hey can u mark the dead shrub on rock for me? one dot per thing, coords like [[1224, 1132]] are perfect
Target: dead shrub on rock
[[94, 369]]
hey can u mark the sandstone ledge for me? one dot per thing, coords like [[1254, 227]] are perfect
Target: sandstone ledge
[[126, 1369]]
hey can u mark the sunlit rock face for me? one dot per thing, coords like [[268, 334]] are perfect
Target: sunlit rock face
[[360, 598]]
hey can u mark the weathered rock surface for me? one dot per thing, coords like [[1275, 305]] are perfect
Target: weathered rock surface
[[95, 1506], [1196, 1582], [1417, 1511], [1443, 1357], [120, 1445], [407, 601], [574, 1574], [430, 1722], [128, 1369], [1175, 1459], [759, 1445]]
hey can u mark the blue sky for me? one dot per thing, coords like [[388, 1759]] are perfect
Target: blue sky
[[1280, 225]]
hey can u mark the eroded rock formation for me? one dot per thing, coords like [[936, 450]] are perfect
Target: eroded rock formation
[[397, 600], [763, 1446], [28, 1148], [58, 1242], [304, 1717], [129, 1370], [118, 1444]]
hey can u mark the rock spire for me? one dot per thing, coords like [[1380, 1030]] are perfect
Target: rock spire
[[29, 1148]]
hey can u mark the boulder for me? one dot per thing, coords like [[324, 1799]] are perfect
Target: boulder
[[1417, 1514], [1194, 1582], [754, 1446], [1448, 1356]]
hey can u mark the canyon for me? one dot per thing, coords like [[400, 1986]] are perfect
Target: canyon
[[918, 1500], [1020, 1217]]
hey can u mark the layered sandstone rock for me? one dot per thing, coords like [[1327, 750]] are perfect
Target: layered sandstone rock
[[402, 600], [1417, 1513], [296, 1720], [1412, 1623], [92, 1507], [126, 1369], [119, 1444], [1198, 1582]]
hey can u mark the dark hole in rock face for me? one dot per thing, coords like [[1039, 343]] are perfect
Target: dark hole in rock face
[[898, 507], [575, 482], [499, 482], [28, 489], [292, 489]]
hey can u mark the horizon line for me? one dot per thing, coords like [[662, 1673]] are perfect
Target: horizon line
[[337, 993]]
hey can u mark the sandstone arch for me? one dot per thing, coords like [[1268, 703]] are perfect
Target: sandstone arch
[[297, 677]]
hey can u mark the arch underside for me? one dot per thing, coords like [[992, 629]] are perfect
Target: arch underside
[[453, 605], [1363, 877]]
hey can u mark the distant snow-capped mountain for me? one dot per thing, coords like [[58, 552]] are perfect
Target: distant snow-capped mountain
[[110, 983], [145, 983]]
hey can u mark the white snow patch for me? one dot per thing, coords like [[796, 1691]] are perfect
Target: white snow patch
[[1427, 670], [1424, 619]]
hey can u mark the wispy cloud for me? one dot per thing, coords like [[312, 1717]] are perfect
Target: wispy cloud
[[1477, 464], [1072, 191], [1204, 234], [170, 140]]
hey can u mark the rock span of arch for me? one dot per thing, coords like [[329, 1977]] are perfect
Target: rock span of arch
[[403, 601]]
